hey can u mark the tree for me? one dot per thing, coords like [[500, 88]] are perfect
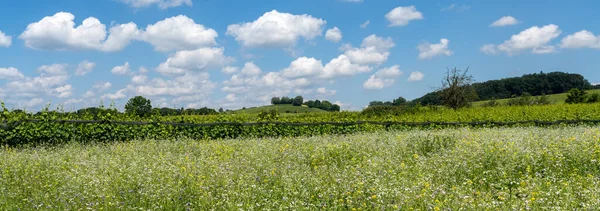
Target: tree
[[220, 110], [456, 89], [576, 96], [399, 101], [594, 98], [286, 100], [275, 100], [298, 100], [139, 106]]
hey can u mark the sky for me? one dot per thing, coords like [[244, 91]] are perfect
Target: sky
[[236, 53]]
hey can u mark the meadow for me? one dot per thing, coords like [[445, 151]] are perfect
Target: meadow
[[520, 168]]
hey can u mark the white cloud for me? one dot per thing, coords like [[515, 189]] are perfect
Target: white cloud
[[325, 92], [163, 4], [63, 91], [334, 35], [250, 69], [303, 67], [5, 40], [365, 24], [229, 70], [101, 86], [428, 50], [230, 97], [534, 38], [88, 94], [143, 70], [11, 73], [488, 49], [85, 67], [342, 66], [202, 59], [275, 29], [53, 69], [58, 32], [456, 7], [581, 39], [121, 70], [374, 50], [505, 21], [416, 76], [401, 16], [139, 79], [54, 85], [120, 94], [383, 78], [179, 33], [33, 102]]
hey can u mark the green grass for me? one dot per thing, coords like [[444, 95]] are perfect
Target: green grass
[[460, 169], [554, 98], [280, 108]]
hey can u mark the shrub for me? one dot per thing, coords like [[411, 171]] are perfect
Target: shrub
[[575, 96], [594, 98]]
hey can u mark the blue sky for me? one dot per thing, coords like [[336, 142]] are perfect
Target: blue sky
[[233, 54]]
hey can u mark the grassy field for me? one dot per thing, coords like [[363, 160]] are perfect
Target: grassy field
[[554, 98], [280, 108], [468, 169]]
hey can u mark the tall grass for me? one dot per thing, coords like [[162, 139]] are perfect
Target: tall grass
[[503, 168]]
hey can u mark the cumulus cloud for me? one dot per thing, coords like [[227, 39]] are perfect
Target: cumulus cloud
[[374, 50], [303, 67], [334, 35], [53, 85], [505, 21], [383, 78], [581, 39], [58, 32], [163, 4], [179, 33], [201, 59], [535, 39], [5, 40], [401, 16], [275, 29], [122, 69], [250, 69], [416, 76], [53, 69], [11, 73], [428, 50], [84, 67], [229, 70]]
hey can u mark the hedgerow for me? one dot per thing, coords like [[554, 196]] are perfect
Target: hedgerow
[[50, 128]]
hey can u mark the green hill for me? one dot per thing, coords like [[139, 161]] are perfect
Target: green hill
[[554, 98], [281, 108]]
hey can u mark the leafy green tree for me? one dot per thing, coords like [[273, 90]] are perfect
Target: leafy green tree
[[275, 101], [399, 101], [138, 105], [575, 96], [456, 90], [298, 100], [220, 110]]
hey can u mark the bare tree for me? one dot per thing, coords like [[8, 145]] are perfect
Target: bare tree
[[456, 90]]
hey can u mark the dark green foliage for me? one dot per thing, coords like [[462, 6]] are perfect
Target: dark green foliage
[[576, 96], [298, 100], [594, 98], [323, 105], [536, 84], [389, 110], [220, 110], [526, 100], [139, 106], [275, 101], [396, 102]]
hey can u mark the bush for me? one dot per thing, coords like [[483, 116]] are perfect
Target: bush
[[491, 103], [594, 98], [576, 96]]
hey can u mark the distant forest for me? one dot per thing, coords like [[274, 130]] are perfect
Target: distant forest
[[534, 84]]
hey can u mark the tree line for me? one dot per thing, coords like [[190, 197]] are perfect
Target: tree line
[[535, 84]]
